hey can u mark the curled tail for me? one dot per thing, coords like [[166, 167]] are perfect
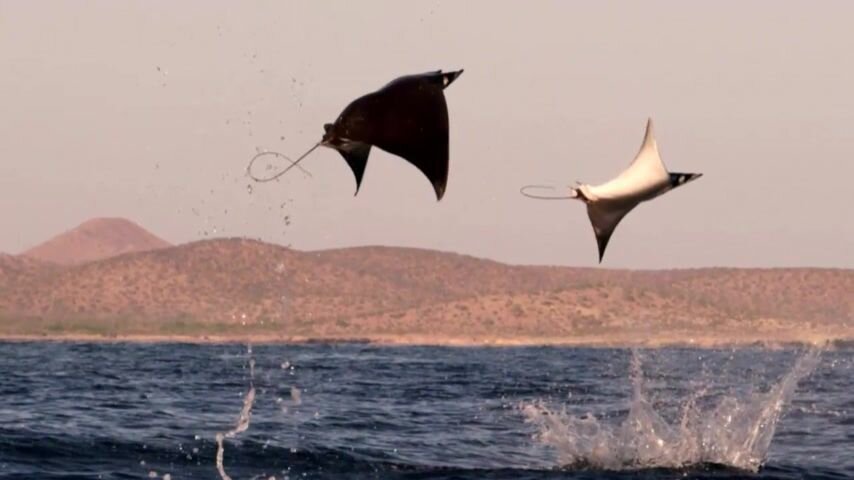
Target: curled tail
[[574, 193]]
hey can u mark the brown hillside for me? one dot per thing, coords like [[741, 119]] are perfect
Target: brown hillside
[[234, 286], [96, 239], [21, 269]]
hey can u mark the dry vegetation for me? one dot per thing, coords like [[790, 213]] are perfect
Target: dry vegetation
[[239, 287]]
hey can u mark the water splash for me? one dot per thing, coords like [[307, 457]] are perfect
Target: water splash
[[733, 431], [242, 421]]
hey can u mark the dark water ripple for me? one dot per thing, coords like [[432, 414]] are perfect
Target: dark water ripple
[[115, 411]]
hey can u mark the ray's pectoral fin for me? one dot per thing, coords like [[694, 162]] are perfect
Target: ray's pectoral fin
[[433, 163], [356, 156], [604, 218], [427, 149]]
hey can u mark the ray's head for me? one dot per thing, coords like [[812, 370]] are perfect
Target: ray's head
[[679, 179], [448, 78]]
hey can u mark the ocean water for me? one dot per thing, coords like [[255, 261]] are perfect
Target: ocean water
[[349, 411]]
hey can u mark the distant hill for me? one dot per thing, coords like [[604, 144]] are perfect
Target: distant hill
[[227, 287], [96, 239], [20, 269]]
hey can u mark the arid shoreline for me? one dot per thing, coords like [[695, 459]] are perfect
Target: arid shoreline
[[414, 340], [231, 290]]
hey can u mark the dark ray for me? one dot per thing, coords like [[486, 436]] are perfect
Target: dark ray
[[408, 118]]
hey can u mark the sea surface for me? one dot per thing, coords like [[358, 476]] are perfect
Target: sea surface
[[351, 411]]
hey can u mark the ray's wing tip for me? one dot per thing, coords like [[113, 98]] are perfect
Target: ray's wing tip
[[602, 244], [440, 192], [648, 138]]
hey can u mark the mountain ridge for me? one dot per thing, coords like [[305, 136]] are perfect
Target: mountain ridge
[[95, 239], [237, 286]]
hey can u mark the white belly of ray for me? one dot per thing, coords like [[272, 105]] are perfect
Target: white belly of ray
[[645, 178]]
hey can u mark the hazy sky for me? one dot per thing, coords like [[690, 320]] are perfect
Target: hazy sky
[[759, 96]]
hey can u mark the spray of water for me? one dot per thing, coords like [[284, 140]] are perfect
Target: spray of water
[[733, 431], [242, 421]]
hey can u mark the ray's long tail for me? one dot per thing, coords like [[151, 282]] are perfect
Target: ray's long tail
[[574, 193]]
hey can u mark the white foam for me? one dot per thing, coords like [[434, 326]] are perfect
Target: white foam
[[242, 421], [735, 431]]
